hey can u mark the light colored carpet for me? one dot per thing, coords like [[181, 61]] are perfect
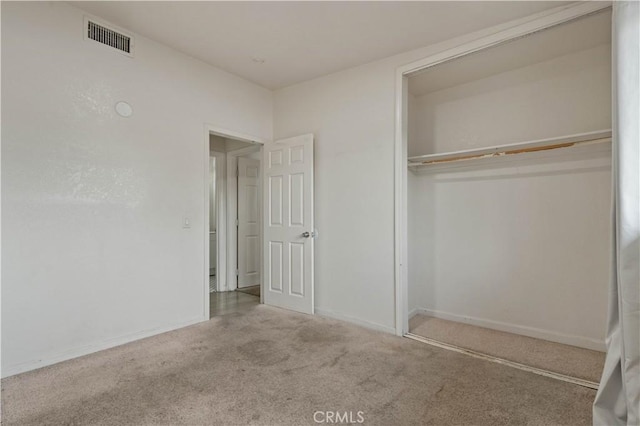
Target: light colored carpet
[[273, 367], [569, 360]]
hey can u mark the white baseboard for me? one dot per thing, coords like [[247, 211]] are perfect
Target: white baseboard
[[366, 324], [79, 351], [552, 336], [416, 311]]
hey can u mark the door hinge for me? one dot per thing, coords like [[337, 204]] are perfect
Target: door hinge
[[237, 272], [237, 222], [237, 172]]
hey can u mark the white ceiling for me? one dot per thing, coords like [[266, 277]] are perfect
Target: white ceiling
[[572, 37], [302, 40]]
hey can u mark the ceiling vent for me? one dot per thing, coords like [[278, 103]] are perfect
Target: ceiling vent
[[108, 36]]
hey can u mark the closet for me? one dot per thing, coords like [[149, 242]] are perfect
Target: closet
[[509, 199]]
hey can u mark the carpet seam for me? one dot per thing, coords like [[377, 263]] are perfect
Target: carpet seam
[[535, 370]]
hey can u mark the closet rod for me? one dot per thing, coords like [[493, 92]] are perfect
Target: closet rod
[[516, 148]]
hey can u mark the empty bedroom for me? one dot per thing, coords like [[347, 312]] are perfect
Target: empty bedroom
[[320, 212]]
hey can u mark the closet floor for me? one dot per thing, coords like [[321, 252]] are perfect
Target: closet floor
[[564, 359]]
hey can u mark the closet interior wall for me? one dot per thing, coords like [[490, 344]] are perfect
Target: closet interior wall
[[518, 243]]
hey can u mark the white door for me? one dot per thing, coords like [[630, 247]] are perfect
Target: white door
[[288, 224], [248, 223]]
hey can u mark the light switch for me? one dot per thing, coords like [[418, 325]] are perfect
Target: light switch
[[186, 222]]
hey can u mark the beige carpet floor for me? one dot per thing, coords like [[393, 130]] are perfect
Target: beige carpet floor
[[268, 366], [569, 360]]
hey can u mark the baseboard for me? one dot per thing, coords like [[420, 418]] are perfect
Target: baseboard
[[416, 311], [366, 324], [23, 367], [552, 336]]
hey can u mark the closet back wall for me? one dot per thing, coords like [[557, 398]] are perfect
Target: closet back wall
[[519, 243]]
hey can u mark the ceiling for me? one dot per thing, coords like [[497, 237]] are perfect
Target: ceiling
[[299, 41], [581, 34]]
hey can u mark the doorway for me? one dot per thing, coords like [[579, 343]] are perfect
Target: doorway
[[234, 225], [262, 196]]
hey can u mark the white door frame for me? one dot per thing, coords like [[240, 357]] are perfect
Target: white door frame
[[220, 204], [232, 213], [512, 31], [210, 129]]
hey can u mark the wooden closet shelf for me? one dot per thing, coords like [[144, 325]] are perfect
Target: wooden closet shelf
[[516, 148]]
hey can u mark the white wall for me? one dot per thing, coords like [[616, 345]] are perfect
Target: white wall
[[520, 246], [565, 95], [521, 243], [351, 114], [94, 249]]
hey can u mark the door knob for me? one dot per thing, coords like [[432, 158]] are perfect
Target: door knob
[[306, 234]]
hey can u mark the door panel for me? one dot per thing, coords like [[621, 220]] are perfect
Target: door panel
[[288, 224], [248, 224]]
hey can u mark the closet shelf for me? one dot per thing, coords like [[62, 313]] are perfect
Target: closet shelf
[[597, 136]]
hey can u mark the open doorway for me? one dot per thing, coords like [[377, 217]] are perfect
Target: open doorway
[[234, 231], [259, 243]]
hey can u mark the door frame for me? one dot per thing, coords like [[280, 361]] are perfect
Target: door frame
[[508, 32], [210, 129], [232, 213], [220, 204]]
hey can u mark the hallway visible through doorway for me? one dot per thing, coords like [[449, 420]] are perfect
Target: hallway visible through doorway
[[234, 225], [231, 302]]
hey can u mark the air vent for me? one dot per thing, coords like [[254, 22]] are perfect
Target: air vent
[[108, 36]]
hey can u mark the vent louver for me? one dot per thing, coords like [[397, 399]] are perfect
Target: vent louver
[[107, 36]]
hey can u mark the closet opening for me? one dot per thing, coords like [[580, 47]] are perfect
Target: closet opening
[[234, 232], [503, 195]]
